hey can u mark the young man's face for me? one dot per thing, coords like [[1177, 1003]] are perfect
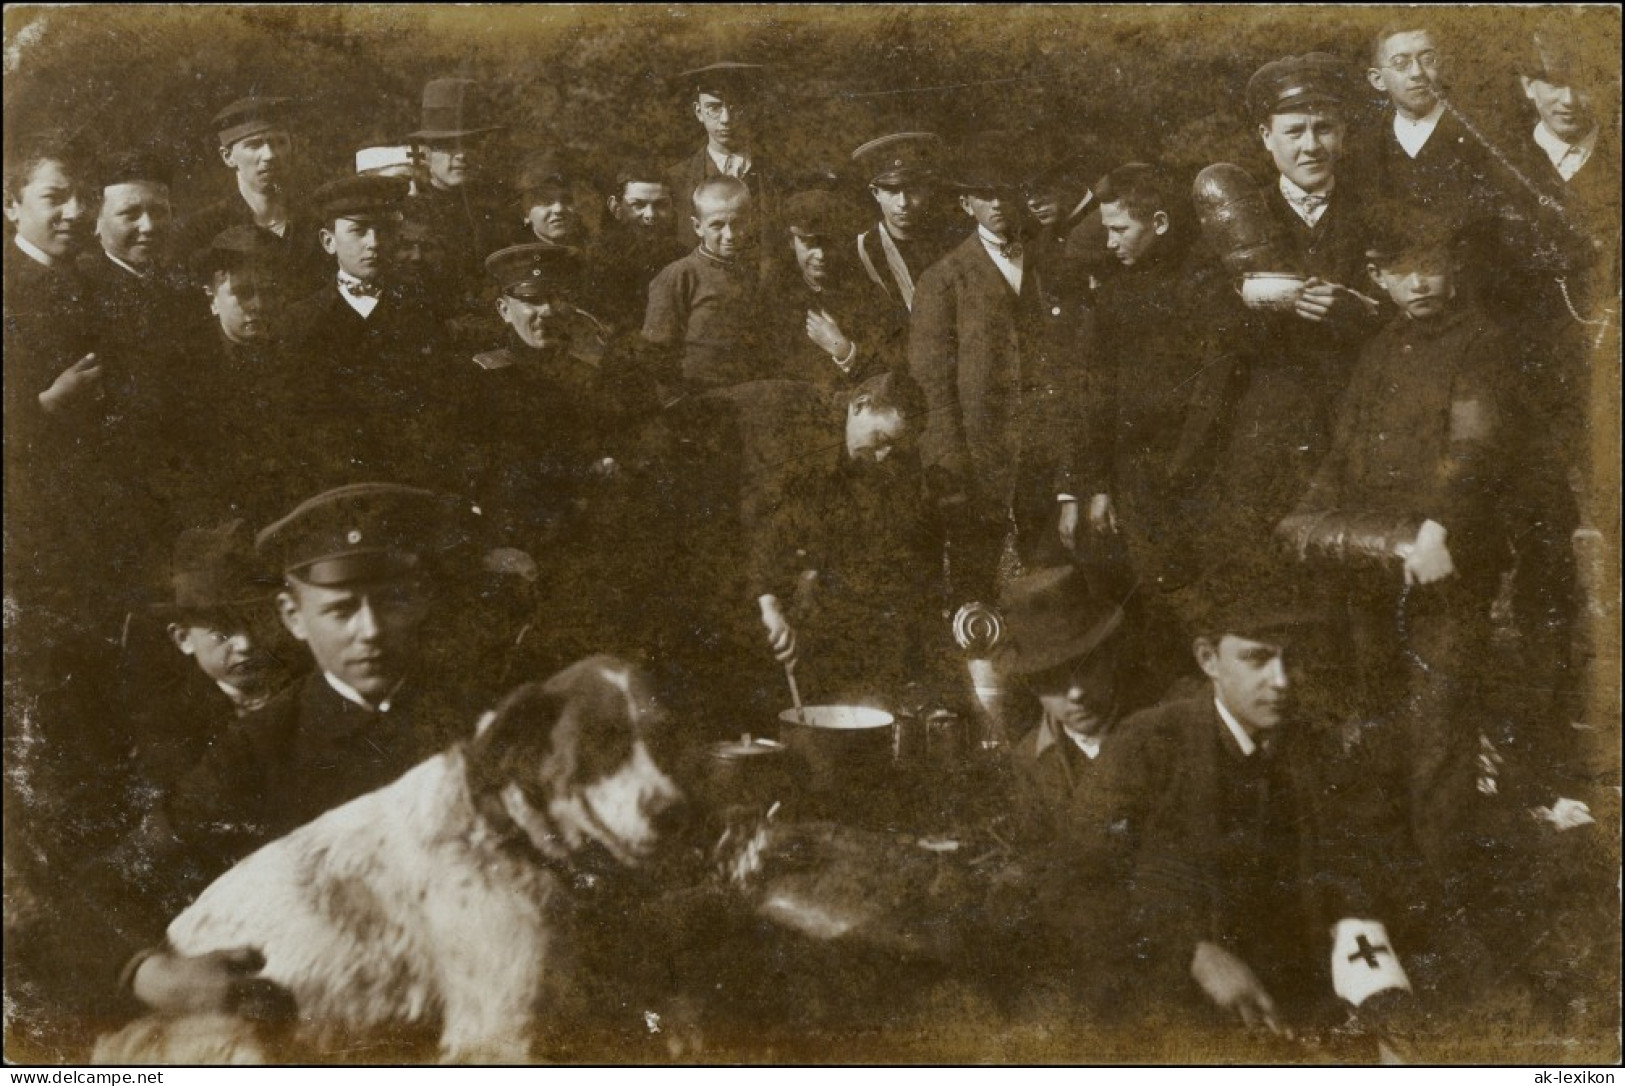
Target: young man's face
[[724, 226], [993, 209], [451, 163], [724, 120], [1129, 238], [902, 205], [644, 205], [261, 160], [228, 649], [1080, 695], [872, 434], [363, 246], [811, 257], [1421, 286], [1249, 677], [1305, 146], [541, 322], [553, 216], [1565, 109], [365, 634], [245, 302], [49, 212], [134, 221], [1407, 71]]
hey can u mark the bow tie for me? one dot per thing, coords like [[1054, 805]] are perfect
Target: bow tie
[[356, 288], [1010, 250], [1311, 202]]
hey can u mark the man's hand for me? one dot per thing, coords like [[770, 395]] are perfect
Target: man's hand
[[1320, 301], [1428, 559], [1231, 985], [220, 982], [822, 330], [1067, 525], [781, 636], [1102, 517], [78, 384]]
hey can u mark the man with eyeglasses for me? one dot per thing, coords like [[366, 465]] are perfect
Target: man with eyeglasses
[[724, 97], [1424, 156]]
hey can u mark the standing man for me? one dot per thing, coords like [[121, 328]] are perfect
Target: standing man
[[910, 236], [635, 244], [256, 145], [998, 357], [1300, 359], [724, 98]]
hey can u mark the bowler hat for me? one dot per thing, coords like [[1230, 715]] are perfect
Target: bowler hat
[[899, 157], [1052, 616], [450, 110], [249, 117], [216, 569], [534, 271], [1295, 83], [360, 532], [363, 196]]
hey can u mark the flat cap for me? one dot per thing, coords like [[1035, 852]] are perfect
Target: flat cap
[[542, 172], [124, 167], [724, 77], [535, 271], [233, 247], [452, 109], [249, 117], [1296, 83], [815, 213], [899, 157], [217, 569], [360, 532], [1401, 229], [363, 196], [1253, 597]]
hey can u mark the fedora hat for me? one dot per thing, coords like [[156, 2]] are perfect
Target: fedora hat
[[449, 110], [1052, 616]]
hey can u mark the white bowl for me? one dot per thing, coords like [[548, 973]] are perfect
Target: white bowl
[[1271, 290]]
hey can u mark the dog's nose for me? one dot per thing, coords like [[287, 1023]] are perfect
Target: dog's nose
[[674, 817]]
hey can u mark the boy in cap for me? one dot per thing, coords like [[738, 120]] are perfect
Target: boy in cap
[[998, 356], [704, 309], [547, 203], [724, 97], [830, 331], [910, 236], [1407, 505], [1247, 832], [257, 146]]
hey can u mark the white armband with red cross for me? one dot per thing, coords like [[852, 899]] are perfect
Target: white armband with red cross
[[1364, 962]]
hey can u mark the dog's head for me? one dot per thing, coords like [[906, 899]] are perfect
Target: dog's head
[[574, 762]]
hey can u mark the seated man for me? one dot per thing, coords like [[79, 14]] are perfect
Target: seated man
[[1242, 830], [1063, 644]]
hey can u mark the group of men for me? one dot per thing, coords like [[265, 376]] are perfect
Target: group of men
[[749, 424]]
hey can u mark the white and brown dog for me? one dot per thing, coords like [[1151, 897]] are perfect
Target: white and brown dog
[[443, 900]]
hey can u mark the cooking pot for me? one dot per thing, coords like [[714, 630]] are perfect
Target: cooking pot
[[748, 771], [841, 745]]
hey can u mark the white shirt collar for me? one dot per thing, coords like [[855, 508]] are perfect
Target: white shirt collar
[[1566, 157], [363, 304], [1008, 267], [34, 252], [1243, 740], [1089, 744], [722, 158], [353, 696], [1300, 199], [131, 268], [1414, 135]]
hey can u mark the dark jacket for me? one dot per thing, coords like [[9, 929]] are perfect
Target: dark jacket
[[297, 252], [878, 333], [916, 255], [685, 176]]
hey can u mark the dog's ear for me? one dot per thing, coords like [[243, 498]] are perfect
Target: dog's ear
[[516, 738]]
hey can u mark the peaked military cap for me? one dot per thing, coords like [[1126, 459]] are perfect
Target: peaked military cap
[[899, 157], [534, 271], [249, 117], [1296, 83], [360, 532], [363, 196]]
